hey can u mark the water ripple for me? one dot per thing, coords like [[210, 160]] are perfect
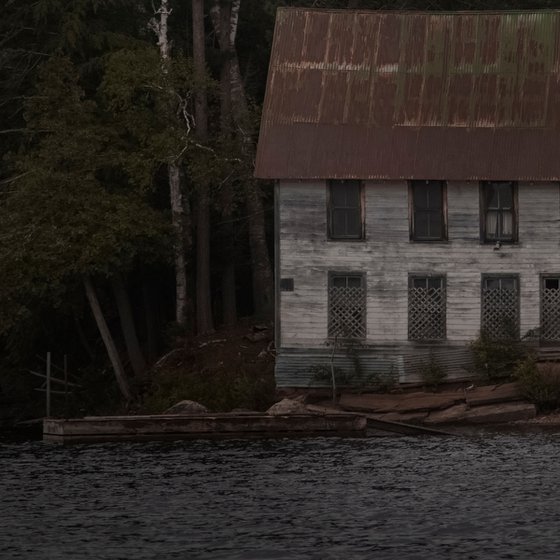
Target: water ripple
[[485, 497]]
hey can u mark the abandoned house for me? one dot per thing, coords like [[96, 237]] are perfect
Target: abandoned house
[[417, 165]]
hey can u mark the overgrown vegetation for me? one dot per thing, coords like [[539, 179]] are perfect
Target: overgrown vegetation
[[219, 391], [432, 373], [539, 383], [495, 359], [355, 377]]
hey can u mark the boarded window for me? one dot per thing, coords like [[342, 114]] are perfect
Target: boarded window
[[550, 309], [345, 210], [499, 221], [347, 306], [428, 216], [500, 307], [426, 308]]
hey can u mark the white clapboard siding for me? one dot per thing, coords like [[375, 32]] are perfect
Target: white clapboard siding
[[387, 257]]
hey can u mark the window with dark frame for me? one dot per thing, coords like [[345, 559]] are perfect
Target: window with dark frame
[[428, 211], [345, 210], [426, 308], [499, 220], [550, 309], [347, 306], [500, 306]]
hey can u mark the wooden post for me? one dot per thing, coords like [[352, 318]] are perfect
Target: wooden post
[[65, 385], [48, 384]]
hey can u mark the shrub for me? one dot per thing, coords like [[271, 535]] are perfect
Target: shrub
[[432, 373], [495, 359], [539, 383]]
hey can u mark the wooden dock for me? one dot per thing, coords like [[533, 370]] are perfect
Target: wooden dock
[[216, 426]]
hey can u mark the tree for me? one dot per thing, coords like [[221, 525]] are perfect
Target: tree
[[71, 217]]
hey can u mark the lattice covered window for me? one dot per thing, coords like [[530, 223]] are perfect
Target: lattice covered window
[[500, 306], [347, 306], [550, 309], [426, 308]]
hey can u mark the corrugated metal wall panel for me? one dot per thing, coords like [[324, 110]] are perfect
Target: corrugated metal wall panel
[[402, 364]]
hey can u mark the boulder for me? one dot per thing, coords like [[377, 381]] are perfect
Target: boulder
[[287, 406], [187, 407]]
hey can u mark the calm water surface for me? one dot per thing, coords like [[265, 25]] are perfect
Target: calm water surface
[[492, 496]]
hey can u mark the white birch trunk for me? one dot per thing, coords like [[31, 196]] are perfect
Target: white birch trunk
[[159, 26]]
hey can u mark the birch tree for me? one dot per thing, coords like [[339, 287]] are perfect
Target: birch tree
[[176, 105]]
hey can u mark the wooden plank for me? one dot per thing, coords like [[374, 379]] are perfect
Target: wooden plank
[[179, 427]]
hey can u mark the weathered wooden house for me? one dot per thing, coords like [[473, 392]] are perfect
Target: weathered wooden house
[[417, 167]]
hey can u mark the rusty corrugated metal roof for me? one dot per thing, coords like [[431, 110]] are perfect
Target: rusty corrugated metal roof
[[416, 95]]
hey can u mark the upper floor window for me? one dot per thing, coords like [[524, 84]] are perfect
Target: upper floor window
[[498, 211], [428, 211], [345, 210]]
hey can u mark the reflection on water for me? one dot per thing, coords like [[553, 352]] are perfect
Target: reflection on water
[[487, 497]]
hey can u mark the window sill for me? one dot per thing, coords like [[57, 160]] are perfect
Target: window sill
[[346, 239]]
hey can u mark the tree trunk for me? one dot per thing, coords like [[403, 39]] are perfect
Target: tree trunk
[[229, 294], [137, 360], [260, 259], [204, 320], [159, 27], [151, 322], [107, 339], [177, 214]]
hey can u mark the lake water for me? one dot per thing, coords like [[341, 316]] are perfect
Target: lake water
[[486, 496]]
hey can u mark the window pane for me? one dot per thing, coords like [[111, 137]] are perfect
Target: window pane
[[338, 194], [354, 282], [507, 283], [507, 224], [353, 223], [506, 195], [435, 226], [492, 224], [434, 195], [421, 225], [492, 196], [338, 226], [419, 282], [339, 281], [420, 195], [434, 283], [491, 283], [352, 194], [551, 283]]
